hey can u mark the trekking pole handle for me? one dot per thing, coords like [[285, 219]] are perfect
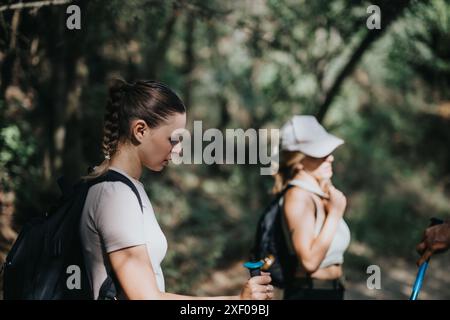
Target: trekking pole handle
[[254, 267]]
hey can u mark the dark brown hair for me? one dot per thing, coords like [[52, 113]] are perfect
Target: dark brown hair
[[148, 100]]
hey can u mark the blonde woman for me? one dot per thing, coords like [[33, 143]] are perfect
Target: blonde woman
[[313, 210]]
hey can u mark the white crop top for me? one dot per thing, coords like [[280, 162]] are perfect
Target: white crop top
[[341, 239]]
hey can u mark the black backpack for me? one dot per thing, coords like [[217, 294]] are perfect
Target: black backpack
[[270, 240], [43, 257]]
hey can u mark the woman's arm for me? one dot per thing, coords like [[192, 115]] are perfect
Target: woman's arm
[[300, 215], [135, 274]]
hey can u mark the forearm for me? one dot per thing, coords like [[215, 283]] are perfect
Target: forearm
[[321, 244]]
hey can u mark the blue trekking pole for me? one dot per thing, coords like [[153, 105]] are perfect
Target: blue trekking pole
[[423, 268]]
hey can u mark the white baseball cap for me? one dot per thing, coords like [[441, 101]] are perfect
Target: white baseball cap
[[305, 134]]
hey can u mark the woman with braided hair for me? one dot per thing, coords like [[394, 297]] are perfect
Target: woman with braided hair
[[118, 237]]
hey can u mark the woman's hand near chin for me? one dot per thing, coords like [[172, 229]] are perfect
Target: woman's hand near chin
[[325, 185], [337, 202]]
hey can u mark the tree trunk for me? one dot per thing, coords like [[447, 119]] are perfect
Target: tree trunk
[[189, 59], [389, 14], [156, 60]]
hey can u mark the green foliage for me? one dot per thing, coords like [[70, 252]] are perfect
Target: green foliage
[[17, 147], [252, 65]]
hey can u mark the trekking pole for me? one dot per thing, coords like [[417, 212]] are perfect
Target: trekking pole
[[423, 268], [255, 267]]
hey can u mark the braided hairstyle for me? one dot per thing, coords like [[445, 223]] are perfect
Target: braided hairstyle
[[148, 100], [111, 119]]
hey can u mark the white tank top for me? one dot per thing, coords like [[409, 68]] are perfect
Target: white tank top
[[341, 239]]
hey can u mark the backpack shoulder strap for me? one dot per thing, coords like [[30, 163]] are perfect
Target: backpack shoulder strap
[[113, 176]]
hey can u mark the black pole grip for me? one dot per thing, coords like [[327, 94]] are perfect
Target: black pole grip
[[255, 272]]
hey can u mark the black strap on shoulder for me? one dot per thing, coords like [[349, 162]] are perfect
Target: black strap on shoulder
[[283, 192], [109, 288], [114, 176]]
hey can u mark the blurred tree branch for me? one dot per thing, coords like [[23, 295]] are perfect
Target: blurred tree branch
[[163, 43], [189, 59], [389, 14], [199, 8], [33, 5]]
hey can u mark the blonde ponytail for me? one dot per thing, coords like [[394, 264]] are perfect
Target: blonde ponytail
[[287, 170]]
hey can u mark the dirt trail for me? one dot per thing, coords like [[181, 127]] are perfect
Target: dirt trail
[[397, 277]]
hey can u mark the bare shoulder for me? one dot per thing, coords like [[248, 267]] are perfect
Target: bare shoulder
[[298, 194], [298, 202]]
